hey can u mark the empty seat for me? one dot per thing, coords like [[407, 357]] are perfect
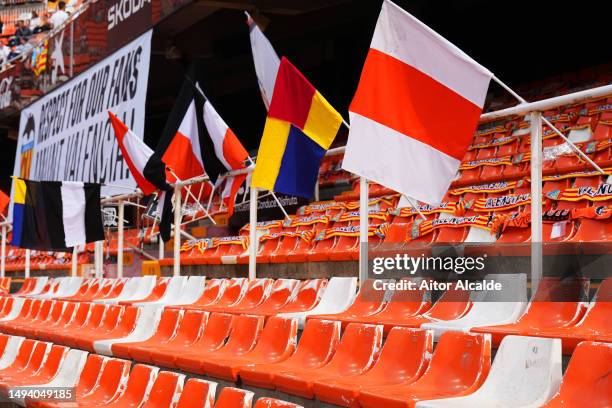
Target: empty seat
[[459, 365], [245, 333], [587, 380], [357, 351], [403, 359], [337, 297], [138, 385], [216, 331], [276, 343], [594, 326], [305, 297], [165, 390], [113, 315], [556, 304], [315, 348], [490, 307], [526, 372], [403, 306], [188, 331], [281, 292], [143, 328], [141, 351], [197, 393], [126, 324], [234, 398], [232, 294], [274, 403], [110, 386], [369, 301]]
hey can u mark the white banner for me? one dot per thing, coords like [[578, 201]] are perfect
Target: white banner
[[66, 135]]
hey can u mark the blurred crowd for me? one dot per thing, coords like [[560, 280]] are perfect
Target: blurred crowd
[[30, 27]]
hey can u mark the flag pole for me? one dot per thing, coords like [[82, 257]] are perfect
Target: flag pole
[[120, 232], [575, 148], [415, 206], [273, 194], [253, 241], [3, 255], [206, 213]]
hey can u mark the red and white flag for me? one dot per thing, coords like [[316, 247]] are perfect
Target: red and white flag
[[228, 150], [135, 152], [416, 108], [183, 155]]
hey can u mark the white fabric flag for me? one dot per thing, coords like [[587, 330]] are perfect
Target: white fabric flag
[[266, 61]]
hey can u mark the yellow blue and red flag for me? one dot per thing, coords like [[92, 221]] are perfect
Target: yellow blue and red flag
[[300, 127]]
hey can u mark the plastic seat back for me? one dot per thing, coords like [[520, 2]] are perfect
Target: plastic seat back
[[587, 378], [197, 393], [212, 292], [231, 397], [317, 344], [368, 301], [459, 364], [190, 327], [358, 349], [168, 323], [453, 304], [26, 349], [128, 320], [80, 316], [56, 312], [165, 390], [138, 385], [280, 293], [39, 353], [308, 294], [113, 379], [598, 315], [526, 372], [52, 362], [257, 291], [112, 314], [404, 356], [216, 331], [278, 339], [90, 374], [244, 334], [96, 314], [233, 293], [267, 402]]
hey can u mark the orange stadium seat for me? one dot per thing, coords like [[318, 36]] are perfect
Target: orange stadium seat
[[317, 344], [403, 359], [587, 379], [232, 293], [197, 393], [126, 324], [188, 331], [281, 292], [234, 398], [138, 385], [267, 402], [276, 343], [141, 351], [357, 351], [368, 302], [459, 365], [556, 304], [218, 328], [165, 390], [93, 321], [112, 315]]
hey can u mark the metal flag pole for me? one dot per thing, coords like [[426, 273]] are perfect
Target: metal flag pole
[[253, 241], [177, 231], [3, 259], [194, 197], [120, 233]]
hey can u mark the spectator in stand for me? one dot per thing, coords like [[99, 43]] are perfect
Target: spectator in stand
[[34, 20], [4, 52], [1, 26], [60, 16], [14, 53], [23, 29], [44, 24]]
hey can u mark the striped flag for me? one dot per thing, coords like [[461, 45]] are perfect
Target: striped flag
[[265, 59], [135, 152], [55, 215], [300, 127], [416, 108]]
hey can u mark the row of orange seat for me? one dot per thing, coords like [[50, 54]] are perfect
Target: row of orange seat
[[39, 260], [91, 380]]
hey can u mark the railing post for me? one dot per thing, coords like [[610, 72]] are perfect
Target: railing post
[[98, 258], [536, 199], [160, 254], [363, 228], [27, 263], [177, 231], [120, 238], [3, 259], [253, 241], [71, 49], [74, 263]]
